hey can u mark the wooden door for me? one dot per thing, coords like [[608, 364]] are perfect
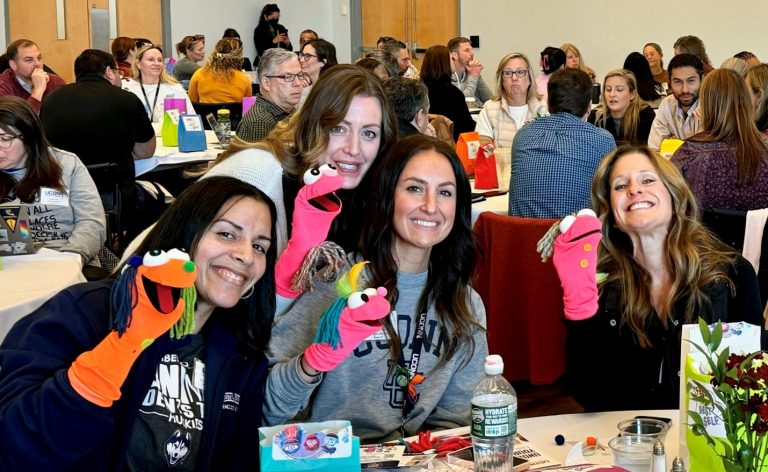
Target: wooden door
[[36, 20], [418, 23]]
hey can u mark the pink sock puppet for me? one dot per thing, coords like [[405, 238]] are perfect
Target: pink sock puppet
[[316, 206], [352, 318], [575, 259]]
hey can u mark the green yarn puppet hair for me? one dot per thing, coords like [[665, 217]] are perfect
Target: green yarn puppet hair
[[328, 327], [186, 323], [124, 298]]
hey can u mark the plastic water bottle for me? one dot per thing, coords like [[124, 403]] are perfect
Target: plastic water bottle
[[225, 126], [494, 419]]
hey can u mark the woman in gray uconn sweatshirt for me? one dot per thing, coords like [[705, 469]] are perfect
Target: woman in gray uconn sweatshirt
[[402, 379]]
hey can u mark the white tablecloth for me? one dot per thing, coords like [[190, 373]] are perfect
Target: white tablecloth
[[170, 155], [29, 281], [541, 432]]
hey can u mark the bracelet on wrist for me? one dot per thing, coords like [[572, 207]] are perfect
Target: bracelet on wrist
[[304, 371]]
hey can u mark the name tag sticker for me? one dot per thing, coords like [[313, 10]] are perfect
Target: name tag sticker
[[51, 196]]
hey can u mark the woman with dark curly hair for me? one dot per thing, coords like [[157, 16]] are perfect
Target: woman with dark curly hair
[[418, 372]]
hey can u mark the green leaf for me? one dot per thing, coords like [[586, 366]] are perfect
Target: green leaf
[[716, 337], [704, 330], [727, 447], [731, 467]]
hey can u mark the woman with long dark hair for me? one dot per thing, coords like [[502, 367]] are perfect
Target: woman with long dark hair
[[420, 246], [269, 33], [66, 213], [180, 381], [443, 100], [648, 89]]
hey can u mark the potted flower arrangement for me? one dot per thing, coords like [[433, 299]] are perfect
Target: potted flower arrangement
[[737, 394]]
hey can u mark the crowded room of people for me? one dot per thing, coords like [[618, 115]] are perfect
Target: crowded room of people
[[379, 236]]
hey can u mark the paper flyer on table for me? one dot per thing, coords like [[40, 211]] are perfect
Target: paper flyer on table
[[524, 449]]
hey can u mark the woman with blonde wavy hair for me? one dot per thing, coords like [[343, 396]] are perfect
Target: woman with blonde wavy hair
[[346, 122], [516, 102], [662, 269], [221, 80], [621, 110], [726, 163], [574, 60], [152, 83]]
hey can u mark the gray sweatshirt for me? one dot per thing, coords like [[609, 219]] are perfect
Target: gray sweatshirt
[[76, 226], [360, 389], [472, 86]]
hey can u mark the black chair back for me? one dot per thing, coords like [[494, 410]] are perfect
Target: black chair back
[[235, 112], [106, 176], [728, 225]]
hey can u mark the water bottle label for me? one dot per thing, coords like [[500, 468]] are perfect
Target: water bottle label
[[494, 422]]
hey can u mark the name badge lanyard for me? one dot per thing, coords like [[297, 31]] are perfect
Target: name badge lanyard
[[146, 101], [406, 376]]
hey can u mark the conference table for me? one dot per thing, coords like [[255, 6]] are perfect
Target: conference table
[[575, 428], [169, 157], [29, 280]]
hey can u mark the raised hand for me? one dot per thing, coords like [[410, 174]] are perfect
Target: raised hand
[[346, 324], [315, 208], [575, 259], [156, 294]]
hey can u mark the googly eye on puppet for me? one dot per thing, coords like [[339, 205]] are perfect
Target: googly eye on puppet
[[313, 175], [350, 296], [160, 280]]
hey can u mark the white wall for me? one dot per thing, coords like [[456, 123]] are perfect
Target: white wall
[[606, 32], [211, 17]]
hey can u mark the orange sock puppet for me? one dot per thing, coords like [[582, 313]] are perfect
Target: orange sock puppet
[[152, 295]]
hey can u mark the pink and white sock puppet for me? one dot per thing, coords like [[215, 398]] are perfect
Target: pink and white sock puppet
[[575, 258], [315, 208]]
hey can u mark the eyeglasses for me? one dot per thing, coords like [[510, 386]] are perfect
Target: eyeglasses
[[199, 37], [6, 140], [306, 56], [289, 78], [118, 71], [519, 73]]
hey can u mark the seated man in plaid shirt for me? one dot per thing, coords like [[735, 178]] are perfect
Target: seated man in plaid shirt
[[554, 158]]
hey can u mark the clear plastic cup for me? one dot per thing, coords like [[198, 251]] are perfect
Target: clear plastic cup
[[634, 453], [645, 427]]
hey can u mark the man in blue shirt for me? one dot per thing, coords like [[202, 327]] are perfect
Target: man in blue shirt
[[554, 158]]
